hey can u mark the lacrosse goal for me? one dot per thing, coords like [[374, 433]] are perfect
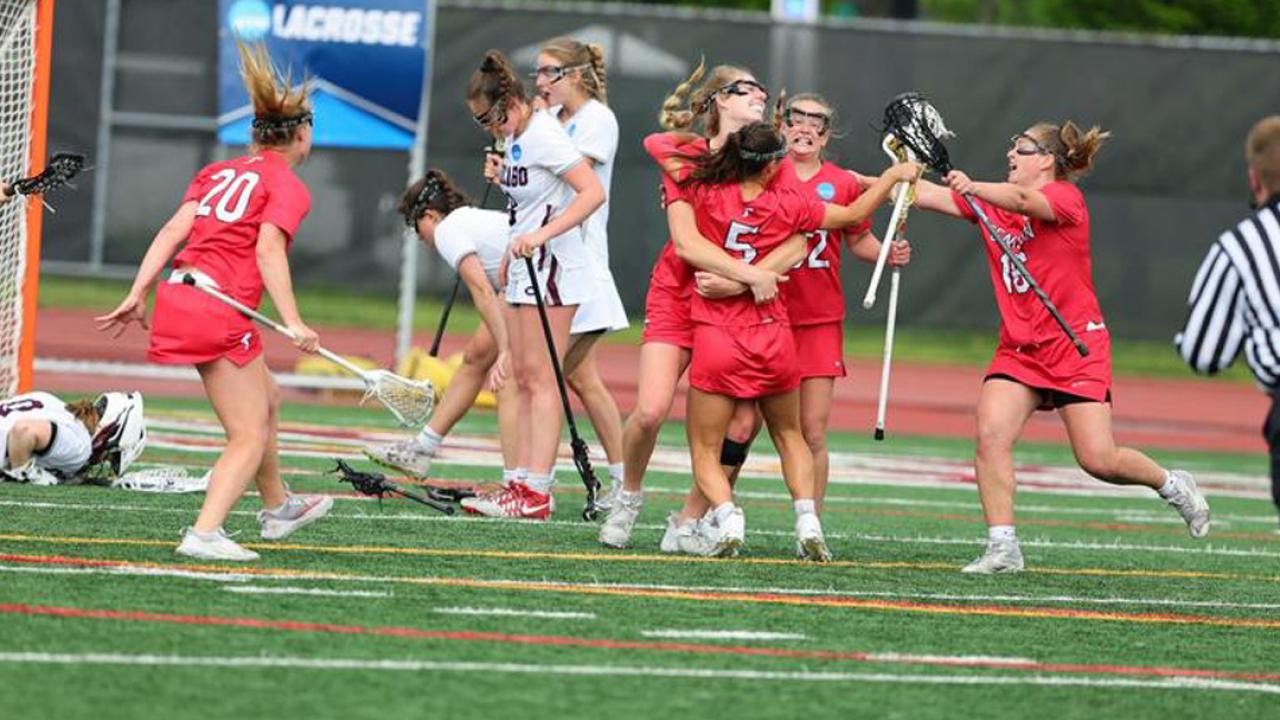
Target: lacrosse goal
[[26, 37]]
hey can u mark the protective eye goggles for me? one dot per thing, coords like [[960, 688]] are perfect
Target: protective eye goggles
[[1037, 148], [743, 87], [818, 121], [555, 73]]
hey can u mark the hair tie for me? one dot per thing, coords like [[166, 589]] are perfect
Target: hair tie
[[287, 123]]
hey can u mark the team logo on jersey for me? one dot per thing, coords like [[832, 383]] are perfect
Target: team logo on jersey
[[516, 152], [246, 341], [573, 129], [826, 190]]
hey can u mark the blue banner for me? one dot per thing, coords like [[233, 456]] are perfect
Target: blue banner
[[365, 61]]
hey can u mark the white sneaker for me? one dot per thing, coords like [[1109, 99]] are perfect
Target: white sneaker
[[692, 540], [408, 456], [213, 546], [1001, 556], [669, 542], [809, 541], [1190, 504], [297, 512], [606, 497], [617, 527], [733, 531]]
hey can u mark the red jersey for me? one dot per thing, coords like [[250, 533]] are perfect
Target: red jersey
[[235, 198], [1057, 256], [814, 295], [749, 230]]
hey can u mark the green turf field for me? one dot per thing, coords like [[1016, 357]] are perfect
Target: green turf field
[[396, 611]]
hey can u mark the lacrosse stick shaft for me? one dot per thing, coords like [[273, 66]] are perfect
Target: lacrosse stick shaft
[[890, 326], [457, 281], [1026, 274], [576, 442], [254, 314], [900, 203]]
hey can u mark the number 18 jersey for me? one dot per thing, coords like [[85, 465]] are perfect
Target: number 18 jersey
[[235, 197]]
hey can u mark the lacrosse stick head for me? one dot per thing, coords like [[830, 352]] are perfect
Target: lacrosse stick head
[[918, 125], [62, 167], [411, 401]]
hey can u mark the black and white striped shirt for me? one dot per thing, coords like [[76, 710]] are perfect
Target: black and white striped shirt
[[1235, 300]]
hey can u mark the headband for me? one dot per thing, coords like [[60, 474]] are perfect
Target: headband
[[289, 123]]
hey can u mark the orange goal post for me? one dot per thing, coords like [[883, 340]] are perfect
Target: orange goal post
[[26, 41]]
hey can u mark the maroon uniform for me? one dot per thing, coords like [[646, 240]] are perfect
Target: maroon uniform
[[815, 297], [1033, 349], [234, 199]]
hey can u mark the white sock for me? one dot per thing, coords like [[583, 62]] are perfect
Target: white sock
[[510, 475], [615, 472], [722, 511], [804, 507], [211, 535], [1002, 532], [541, 482], [430, 440], [1171, 486]]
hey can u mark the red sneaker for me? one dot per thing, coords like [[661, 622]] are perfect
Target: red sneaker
[[515, 501]]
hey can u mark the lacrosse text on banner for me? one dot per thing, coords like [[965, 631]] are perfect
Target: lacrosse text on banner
[[365, 61]]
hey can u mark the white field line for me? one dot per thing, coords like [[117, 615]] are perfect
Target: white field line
[[342, 664], [511, 612], [846, 468], [319, 592], [1205, 550], [770, 590], [945, 659], [676, 634]]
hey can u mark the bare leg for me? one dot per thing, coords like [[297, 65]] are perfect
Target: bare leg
[[477, 358], [782, 416], [1003, 408], [240, 398], [519, 360], [1089, 428], [708, 419], [544, 411], [584, 378], [271, 489], [815, 410], [661, 366]]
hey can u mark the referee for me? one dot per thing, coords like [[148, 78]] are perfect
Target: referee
[[1235, 299]]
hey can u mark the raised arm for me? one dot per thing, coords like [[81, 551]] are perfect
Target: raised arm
[[1015, 198], [841, 216]]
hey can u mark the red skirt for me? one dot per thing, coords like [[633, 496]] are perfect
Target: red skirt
[[189, 327], [744, 362], [666, 316], [1055, 366], [820, 350]]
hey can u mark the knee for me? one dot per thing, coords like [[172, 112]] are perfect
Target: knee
[[815, 436], [743, 427], [1101, 464], [580, 381], [991, 442], [648, 417], [274, 399], [481, 357]]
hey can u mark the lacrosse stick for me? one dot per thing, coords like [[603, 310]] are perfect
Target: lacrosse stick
[[580, 459], [918, 125], [494, 149], [410, 401], [59, 171], [377, 485], [907, 196], [901, 201]]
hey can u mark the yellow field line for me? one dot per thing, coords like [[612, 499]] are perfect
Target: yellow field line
[[632, 558]]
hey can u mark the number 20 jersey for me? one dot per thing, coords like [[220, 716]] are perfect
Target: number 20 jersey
[[234, 198]]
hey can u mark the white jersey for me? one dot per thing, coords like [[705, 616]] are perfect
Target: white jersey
[[71, 444], [594, 132], [472, 231]]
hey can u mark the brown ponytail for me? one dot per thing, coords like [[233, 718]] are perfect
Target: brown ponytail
[[433, 191], [86, 413], [495, 82], [588, 57], [744, 155], [1072, 150]]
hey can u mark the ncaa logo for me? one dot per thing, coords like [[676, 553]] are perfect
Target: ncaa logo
[[516, 152], [826, 190], [572, 129], [249, 19]]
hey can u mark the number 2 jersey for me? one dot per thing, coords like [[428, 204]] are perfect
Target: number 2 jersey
[[235, 197], [814, 294], [70, 446]]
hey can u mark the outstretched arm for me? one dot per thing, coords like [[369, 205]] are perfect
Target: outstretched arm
[[134, 306], [1015, 198], [842, 216]]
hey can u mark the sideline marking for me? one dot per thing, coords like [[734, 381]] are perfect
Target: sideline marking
[[511, 612], [260, 590], [676, 634]]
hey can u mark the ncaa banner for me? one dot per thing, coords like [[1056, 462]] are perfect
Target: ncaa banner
[[365, 61]]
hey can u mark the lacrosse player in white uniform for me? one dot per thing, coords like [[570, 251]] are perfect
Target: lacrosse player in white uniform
[[473, 241], [45, 441], [550, 192], [570, 78]]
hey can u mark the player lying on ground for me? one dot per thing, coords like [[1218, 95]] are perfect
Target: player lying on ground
[[45, 441], [237, 219], [1044, 217], [743, 347]]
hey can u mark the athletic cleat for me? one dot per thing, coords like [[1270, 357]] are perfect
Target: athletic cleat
[[606, 497], [810, 544], [213, 546], [669, 543], [407, 456], [1190, 504], [617, 527], [515, 501], [297, 512], [1001, 556], [732, 534], [691, 539]]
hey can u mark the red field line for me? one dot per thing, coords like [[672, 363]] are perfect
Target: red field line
[[613, 644]]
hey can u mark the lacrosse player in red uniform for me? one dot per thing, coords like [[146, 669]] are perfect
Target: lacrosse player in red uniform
[[550, 192], [1043, 215], [743, 348], [237, 220], [728, 99]]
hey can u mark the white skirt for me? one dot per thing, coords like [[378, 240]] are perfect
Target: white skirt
[[603, 311], [560, 282]]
